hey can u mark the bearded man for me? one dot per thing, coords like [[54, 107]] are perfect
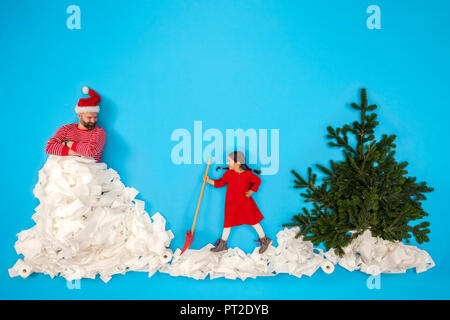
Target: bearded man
[[84, 138], [88, 222]]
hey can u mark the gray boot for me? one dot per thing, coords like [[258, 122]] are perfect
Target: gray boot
[[220, 245], [265, 243]]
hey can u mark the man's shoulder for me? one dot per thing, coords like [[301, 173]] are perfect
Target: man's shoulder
[[69, 126], [100, 130]]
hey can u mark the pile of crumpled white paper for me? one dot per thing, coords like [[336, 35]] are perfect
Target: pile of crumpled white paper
[[89, 223], [292, 256], [374, 255]]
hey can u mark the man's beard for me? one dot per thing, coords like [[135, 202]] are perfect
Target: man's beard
[[88, 125]]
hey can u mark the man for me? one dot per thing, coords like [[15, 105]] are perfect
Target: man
[[87, 221], [83, 138]]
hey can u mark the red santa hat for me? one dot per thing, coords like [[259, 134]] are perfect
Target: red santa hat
[[88, 104]]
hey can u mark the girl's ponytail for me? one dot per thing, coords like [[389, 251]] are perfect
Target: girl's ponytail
[[244, 166]]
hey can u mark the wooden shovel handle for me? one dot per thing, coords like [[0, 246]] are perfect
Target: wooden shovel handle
[[201, 195]]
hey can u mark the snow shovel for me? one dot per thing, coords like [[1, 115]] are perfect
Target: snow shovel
[[190, 233]]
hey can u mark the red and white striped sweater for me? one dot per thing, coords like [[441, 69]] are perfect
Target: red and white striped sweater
[[88, 143]]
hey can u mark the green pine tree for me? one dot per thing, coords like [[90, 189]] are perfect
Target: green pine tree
[[367, 190]]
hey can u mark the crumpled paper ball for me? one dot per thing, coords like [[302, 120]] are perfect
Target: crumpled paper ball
[[89, 223]]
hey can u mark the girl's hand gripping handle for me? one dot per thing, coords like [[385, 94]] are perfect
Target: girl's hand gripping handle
[[208, 180]]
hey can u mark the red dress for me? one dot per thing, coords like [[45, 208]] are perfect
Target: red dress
[[238, 208]]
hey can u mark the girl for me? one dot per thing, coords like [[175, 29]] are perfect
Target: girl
[[240, 208]]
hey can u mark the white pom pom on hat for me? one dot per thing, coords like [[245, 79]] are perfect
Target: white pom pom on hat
[[85, 90]]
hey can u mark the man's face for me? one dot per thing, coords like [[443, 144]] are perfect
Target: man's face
[[88, 119]]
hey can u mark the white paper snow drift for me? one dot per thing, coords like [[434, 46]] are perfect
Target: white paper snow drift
[[374, 255], [292, 256], [89, 223]]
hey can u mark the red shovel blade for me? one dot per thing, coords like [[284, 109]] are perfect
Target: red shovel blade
[[188, 242]]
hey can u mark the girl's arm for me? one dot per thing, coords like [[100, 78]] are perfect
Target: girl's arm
[[220, 182], [255, 181]]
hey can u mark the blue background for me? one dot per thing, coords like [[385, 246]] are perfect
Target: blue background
[[159, 65]]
